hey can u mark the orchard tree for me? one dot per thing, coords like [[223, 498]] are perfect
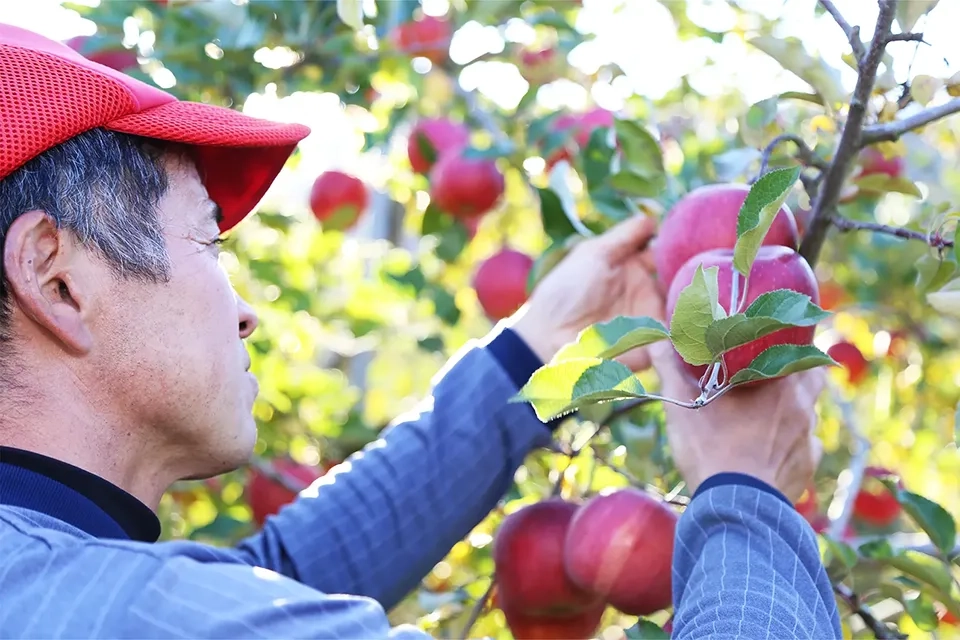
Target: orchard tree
[[810, 229]]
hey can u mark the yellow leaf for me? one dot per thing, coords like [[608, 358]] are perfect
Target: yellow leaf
[[889, 111], [953, 85], [822, 123], [924, 87]]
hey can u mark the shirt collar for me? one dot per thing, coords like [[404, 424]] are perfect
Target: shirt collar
[[70, 494]]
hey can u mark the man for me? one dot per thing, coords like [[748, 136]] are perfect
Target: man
[[123, 369]]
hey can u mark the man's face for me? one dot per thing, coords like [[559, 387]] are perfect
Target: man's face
[[176, 349]]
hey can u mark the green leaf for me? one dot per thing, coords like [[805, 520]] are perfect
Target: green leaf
[[596, 159], [882, 183], [793, 56], [758, 212], [351, 12], [734, 163], [635, 185], [426, 148], [762, 113], [611, 339], [909, 12], [924, 568], [920, 607], [946, 300], [557, 389], [556, 224], [781, 360], [842, 552], [698, 305], [640, 151], [935, 521], [445, 306], [770, 312], [646, 630], [414, 278], [933, 272], [453, 236]]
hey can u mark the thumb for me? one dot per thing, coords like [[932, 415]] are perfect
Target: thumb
[[626, 237]]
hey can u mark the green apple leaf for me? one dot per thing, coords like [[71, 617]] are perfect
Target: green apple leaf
[[947, 299], [611, 339], [922, 567], [635, 185], [641, 153], [793, 56], [882, 183], [557, 389], [781, 360], [762, 113], [770, 312], [451, 234], [425, 147], [935, 521], [933, 272], [646, 630], [909, 12], [556, 224], [698, 305], [920, 607], [596, 159], [758, 212]]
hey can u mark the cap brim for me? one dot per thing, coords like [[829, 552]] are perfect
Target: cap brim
[[238, 156]]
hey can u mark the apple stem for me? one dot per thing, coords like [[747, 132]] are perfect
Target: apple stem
[[850, 481], [935, 240], [805, 154]]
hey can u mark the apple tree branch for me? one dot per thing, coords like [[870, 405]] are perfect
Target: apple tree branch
[[852, 33], [892, 131], [878, 627], [933, 239], [849, 145]]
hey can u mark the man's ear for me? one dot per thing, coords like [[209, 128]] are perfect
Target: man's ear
[[43, 266]]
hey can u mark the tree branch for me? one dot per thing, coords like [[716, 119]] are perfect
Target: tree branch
[[478, 608], [845, 225], [906, 37], [852, 33], [849, 145], [805, 153], [879, 629], [892, 131]]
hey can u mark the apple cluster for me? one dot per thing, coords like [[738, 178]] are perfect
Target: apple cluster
[[701, 229], [560, 564]]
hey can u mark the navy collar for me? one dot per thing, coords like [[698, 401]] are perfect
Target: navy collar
[[79, 498]]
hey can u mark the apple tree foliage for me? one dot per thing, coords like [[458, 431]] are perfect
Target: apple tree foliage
[[343, 311]]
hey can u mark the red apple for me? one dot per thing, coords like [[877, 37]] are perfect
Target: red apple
[[337, 199], [583, 126], [427, 37], [831, 295], [555, 626], [872, 161], [540, 66], [874, 504], [705, 219], [620, 545], [528, 558], [266, 496], [443, 135], [807, 504], [117, 58], [775, 267], [501, 283], [465, 187], [850, 358]]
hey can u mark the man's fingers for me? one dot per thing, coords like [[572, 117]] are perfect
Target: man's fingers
[[626, 237]]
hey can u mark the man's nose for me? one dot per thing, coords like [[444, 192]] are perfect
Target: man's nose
[[248, 318]]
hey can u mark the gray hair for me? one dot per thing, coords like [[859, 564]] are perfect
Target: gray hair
[[104, 187]]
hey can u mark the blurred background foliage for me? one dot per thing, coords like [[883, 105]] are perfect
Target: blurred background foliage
[[354, 323]]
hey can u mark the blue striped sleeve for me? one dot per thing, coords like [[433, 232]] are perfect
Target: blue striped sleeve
[[747, 565]]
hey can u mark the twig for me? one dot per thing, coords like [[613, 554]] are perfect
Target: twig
[[852, 33], [849, 144], [806, 154], [267, 469], [906, 37], [478, 609], [879, 629], [845, 224], [846, 494], [891, 131]]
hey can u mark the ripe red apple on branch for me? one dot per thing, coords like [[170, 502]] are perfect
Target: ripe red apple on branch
[[620, 545], [426, 37], [465, 187], [442, 134], [501, 283], [337, 199], [705, 219], [582, 125], [533, 589], [775, 267], [266, 496], [874, 504], [849, 356]]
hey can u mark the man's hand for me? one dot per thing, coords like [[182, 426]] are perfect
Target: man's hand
[[766, 431], [601, 278]]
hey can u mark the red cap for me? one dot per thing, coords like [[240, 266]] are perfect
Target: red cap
[[49, 93]]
